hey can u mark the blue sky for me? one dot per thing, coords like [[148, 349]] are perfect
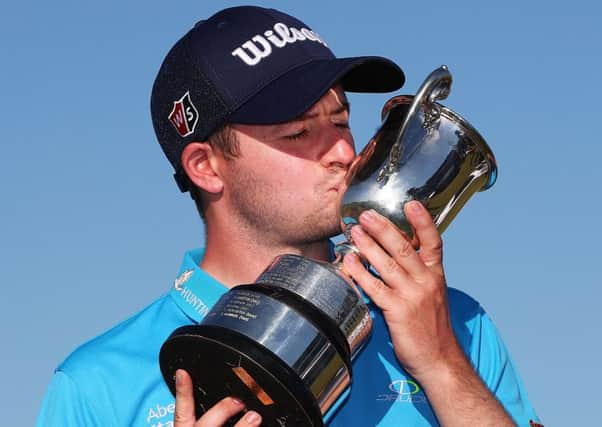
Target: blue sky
[[93, 227]]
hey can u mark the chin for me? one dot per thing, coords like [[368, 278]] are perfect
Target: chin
[[330, 231]]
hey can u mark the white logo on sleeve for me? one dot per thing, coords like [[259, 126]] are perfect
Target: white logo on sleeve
[[259, 46]]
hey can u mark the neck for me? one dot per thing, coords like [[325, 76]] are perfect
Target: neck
[[234, 256]]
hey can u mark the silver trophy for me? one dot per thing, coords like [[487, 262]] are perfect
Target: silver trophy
[[284, 344]]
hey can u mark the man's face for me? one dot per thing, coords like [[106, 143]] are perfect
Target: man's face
[[285, 183]]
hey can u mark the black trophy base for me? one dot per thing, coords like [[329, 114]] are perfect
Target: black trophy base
[[213, 357]]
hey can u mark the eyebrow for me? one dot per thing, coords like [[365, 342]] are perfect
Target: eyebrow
[[344, 106], [341, 108]]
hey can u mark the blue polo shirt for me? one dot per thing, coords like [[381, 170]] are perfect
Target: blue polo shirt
[[115, 379]]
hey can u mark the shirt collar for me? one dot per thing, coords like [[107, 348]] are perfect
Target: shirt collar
[[195, 291]]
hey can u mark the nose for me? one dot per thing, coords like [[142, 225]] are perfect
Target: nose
[[339, 148]]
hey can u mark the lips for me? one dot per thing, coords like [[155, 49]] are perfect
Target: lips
[[338, 184], [342, 186], [337, 187]]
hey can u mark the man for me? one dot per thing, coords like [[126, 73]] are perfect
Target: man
[[250, 109]]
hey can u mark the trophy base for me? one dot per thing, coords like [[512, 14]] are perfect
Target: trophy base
[[214, 358], [283, 345]]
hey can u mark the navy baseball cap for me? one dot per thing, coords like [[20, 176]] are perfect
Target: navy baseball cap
[[251, 65]]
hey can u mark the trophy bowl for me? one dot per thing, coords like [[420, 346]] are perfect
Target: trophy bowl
[[423, 151], [285, 344]]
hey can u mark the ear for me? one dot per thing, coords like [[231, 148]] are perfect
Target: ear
[[200, 163]]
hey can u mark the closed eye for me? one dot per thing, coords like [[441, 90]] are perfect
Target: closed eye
[[296, 136]]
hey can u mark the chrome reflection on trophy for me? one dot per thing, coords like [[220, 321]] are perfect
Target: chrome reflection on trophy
[[285, 343], [423, 151]]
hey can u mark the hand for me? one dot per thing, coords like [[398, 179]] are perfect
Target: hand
[[411, 290], [215, 416], [413, 297]]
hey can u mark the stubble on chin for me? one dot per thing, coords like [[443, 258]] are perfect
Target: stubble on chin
[[264, 209]]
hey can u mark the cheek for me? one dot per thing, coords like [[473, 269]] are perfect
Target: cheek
[[277, 171], [290, 169], [302, 177]]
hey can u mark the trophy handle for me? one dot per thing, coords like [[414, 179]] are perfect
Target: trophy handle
[[436, 86]]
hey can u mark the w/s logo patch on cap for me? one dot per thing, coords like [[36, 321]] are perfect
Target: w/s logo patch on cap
[[184, 115]]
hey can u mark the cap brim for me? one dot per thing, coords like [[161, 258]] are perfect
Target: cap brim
[[293, 93]]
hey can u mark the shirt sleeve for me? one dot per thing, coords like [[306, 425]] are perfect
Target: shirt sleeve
[[501, 377], [64, 405]]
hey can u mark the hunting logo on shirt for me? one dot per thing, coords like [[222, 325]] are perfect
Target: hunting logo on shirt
[[182, 278]]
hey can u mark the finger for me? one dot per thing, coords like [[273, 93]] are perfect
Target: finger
[[390, 271], [396, 245], [184, 413], [431, 246], [375, 288], [221, 412], [251, 418]]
